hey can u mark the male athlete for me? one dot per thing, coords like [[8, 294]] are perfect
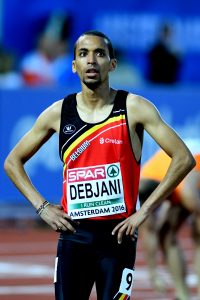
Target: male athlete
[[100, 144]]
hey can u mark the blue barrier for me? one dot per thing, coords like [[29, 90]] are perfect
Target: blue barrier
[[180, 107]]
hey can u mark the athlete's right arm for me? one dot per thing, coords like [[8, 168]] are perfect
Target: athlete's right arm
[[45, 126]]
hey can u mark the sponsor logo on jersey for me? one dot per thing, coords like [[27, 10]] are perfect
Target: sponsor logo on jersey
[[113, 171], [110, 141], [85, 174], [69, 129]]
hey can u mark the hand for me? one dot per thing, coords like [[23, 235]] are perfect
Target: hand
[[57, 218], [129, 226]]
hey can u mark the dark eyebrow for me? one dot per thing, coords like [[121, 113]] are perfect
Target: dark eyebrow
[[82, 49], [96, 50], [100, 49]]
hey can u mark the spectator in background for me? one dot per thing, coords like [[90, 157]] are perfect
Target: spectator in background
[[50, 62], [163, 59], [9, 77], [127, 74]]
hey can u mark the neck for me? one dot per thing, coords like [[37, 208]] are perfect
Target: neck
[[94, 107], [98, 97]]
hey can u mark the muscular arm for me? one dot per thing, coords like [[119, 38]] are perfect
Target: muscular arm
[[24, 150], [141, 111], [45, 126], [182, 160]]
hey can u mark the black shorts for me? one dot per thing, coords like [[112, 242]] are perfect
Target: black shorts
[[93, 255]]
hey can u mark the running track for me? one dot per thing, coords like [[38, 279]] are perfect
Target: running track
[[27, 256]]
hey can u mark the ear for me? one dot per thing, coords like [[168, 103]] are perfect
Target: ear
[[73, 66], [113, 64]]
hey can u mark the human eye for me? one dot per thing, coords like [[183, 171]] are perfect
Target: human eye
[[100, 53], [82, 53]]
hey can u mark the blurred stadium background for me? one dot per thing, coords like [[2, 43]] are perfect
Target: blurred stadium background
[[132, 26]]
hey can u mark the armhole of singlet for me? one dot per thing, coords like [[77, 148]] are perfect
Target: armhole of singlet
[[66, 102], [121, 100]]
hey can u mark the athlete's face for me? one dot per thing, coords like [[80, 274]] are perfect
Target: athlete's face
[[92, 61]]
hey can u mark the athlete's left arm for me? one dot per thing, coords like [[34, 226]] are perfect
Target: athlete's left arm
[[141, 111]]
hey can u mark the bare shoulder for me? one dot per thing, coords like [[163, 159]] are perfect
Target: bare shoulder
[[140, 108], [138, 102], [55, 108], [50, 117]]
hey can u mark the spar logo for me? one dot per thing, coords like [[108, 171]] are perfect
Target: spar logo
[[86, 174], [113, 171]]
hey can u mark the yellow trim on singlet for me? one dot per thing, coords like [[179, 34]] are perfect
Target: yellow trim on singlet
[[122, 297], [64, 168], [91, 130]]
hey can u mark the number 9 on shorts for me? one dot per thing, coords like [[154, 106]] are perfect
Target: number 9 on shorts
[[126, 282]]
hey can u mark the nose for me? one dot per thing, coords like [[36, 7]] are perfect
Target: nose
[[91, 58]]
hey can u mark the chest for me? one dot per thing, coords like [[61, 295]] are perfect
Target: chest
[[95, 116]]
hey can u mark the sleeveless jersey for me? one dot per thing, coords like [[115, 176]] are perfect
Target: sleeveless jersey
[[100, 172]]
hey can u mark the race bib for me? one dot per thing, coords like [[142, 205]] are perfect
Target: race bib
[[95, 191], [125, 285]]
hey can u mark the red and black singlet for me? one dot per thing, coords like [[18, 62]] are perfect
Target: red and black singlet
[[100, 172]]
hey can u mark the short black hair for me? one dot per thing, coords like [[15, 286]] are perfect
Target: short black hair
[[100, 34]]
